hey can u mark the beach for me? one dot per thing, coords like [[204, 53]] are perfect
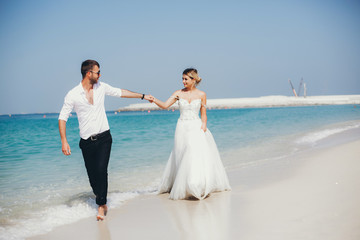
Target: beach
[[312, 195], [271, 89], [291, 170]]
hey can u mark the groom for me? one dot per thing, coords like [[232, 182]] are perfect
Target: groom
[[87, 99]]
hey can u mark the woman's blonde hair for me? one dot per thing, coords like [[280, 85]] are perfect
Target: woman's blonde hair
[[193, 74]]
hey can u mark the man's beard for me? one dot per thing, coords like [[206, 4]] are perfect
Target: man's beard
[[93, 80]]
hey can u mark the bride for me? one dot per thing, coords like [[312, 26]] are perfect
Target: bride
[[194, 168]]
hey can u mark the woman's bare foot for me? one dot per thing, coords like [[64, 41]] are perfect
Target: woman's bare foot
[[102, 211]]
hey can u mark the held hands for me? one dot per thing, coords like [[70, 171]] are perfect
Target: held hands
[[149, 97]]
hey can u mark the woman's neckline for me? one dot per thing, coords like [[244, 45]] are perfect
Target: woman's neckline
[[189, 102]]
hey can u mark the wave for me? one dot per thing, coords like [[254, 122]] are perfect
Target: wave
[[314, 137], [80, 207]]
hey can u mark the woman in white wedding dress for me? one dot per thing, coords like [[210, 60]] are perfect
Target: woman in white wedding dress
[[194, 168]]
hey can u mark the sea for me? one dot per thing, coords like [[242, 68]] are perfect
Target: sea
[[41, 189]]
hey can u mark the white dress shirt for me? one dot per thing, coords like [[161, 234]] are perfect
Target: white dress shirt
[[92, 117]]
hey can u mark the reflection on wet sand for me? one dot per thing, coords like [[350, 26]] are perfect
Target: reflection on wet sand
[[205, 219]]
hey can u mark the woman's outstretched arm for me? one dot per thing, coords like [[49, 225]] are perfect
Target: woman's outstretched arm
[[168, 103]]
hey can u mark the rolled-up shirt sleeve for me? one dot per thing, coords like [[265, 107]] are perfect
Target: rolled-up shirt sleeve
[[112, 91], [66, 108]]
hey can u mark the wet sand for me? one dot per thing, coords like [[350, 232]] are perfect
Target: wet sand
[[316, 197]]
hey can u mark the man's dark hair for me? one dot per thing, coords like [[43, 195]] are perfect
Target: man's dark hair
[[87, 65]]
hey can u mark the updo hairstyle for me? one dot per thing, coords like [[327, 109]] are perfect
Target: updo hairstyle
[[193, 74]]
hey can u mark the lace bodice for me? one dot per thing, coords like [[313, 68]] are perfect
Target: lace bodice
[[189, 111]]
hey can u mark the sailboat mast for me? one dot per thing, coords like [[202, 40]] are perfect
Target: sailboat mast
[[301, 83], [292, 87]]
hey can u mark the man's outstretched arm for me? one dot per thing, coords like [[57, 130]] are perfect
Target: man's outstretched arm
[[129, 94]]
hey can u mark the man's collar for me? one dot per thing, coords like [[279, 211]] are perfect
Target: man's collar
[[95, 86]]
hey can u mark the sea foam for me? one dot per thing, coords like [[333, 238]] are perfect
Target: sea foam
[[51, 217], [313, 138]]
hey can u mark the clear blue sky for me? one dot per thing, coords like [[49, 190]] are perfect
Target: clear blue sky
[[241, 48]]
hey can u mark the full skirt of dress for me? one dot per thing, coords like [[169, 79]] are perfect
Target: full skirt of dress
[[194, 168]]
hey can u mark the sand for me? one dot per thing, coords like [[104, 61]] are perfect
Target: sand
[[266, 101], [314, 196]]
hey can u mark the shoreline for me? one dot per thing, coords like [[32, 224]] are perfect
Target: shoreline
[[315, 196], [258, 102]]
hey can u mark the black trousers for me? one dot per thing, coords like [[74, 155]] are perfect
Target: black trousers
[[96, 154]]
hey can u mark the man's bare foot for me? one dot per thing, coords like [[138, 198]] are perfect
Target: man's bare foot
[[102, 211]]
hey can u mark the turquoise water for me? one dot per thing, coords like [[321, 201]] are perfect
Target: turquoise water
[[37, 180]]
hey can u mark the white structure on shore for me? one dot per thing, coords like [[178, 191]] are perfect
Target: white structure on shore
[[267, 101]]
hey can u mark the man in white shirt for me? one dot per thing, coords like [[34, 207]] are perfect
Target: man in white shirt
[[87, 99]]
